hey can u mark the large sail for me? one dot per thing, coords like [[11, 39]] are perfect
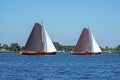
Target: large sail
[[48, 44], [34, 42], [83, 44], [94, 45]]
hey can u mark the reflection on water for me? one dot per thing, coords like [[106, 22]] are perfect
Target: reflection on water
[[61, 66]]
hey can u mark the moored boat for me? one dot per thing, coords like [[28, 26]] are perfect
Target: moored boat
[[39, 42], [86, 44]]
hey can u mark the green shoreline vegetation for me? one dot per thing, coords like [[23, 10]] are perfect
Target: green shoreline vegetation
[[15, 47]]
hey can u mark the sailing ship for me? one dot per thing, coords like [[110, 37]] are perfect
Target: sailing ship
[[86, 44], [39, 42]]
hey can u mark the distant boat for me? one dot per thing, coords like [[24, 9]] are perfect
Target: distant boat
[[86, 44], [39, 42]]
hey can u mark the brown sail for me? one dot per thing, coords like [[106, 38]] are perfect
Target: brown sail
[[83, 44], [34, 42]]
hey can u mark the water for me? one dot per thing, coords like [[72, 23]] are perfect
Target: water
[[61, 66]]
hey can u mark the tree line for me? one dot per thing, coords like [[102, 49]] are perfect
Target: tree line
[[60, 47], [115, 49], [15, 47]]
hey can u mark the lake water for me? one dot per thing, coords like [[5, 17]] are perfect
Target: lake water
[[61, 66]]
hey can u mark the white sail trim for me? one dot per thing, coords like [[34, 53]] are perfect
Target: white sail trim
[[48, 44], [94, 45]]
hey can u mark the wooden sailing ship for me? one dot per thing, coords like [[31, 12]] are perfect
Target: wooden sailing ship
[[39, 42], [86, 44]]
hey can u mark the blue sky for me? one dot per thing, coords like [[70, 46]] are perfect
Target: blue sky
[[63, 19]]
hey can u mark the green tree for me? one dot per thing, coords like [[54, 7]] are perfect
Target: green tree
[[22, 48], [106, 48], [0, 46], [15, 47], [5, 46], [62, 47], [118, 48], [57, 45]]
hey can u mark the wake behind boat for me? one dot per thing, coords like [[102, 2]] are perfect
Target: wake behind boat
[[39, 42], [86, 44]]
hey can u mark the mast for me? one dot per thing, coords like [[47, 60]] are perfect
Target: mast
[[42, 37], [89, 38]]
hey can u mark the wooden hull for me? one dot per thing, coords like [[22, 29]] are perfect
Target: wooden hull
[[84, 53], [37, 53]]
